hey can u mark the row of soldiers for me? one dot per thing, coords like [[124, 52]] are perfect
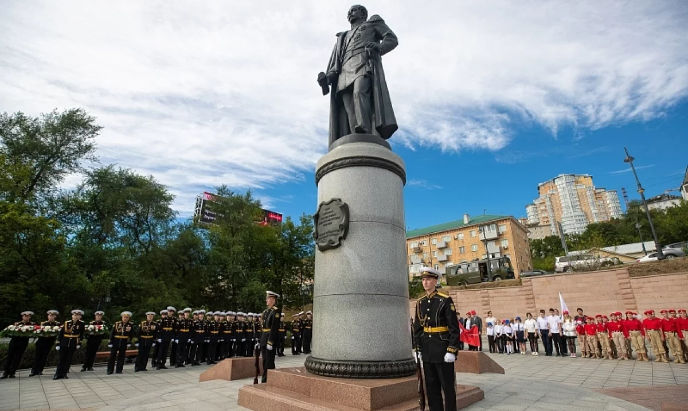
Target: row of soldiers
[[189, 337]]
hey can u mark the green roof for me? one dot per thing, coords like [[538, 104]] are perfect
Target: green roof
[[453, 225]]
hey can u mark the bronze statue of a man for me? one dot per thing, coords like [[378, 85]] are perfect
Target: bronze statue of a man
[[359, 102]]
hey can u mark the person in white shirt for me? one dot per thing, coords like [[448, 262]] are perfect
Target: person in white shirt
[[520, 332], [554, 332], [569, 329], [531, 327], [543, 331], [491, 338], [490, 318], [562, 340], [508, 333], [498, 337]]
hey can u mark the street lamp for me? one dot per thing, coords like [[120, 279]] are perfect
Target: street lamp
[[641, 191]]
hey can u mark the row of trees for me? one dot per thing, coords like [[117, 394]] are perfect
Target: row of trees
[[671, 226], [114, 242]]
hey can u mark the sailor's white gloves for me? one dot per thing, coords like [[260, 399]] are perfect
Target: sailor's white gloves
[[449, 357]]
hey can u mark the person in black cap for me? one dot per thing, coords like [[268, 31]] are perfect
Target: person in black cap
[[44, 344], [93, 342], [436, 335], [268, 338], [69, 340], [120, 335], [17, 347]]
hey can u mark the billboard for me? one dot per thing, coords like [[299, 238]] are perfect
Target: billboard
[[205, 214]]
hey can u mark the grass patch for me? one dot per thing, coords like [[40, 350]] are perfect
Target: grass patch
[[675, 265]]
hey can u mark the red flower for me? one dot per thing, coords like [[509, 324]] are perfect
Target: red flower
[[36, 327]]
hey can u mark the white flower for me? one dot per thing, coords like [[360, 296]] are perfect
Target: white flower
[[56, 328], [12, 328], [91, 328], [26, 328]]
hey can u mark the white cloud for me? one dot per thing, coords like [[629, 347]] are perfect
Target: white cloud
[[213, 92], [423, 184], [628, 170]]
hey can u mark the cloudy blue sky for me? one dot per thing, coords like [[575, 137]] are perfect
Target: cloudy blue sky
[[491, 97]]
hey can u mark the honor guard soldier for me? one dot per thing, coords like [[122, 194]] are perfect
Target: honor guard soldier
[[254, 333], [184, 329], [44, 344], [436, 335], [268, 339], [654, 335], [17, 346], [120, 336], [93, 342], [307, 327], [166, 330], [147, 334], [673, 335], [222, 346], [295, 334], [68, 341], [240, 335], [156, 349], [282, 336], [213, 332], [198, 337], [229, 335]]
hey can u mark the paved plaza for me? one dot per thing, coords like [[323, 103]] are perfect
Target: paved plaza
[[530, 383]]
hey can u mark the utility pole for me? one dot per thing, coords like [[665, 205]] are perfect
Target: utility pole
[[637, 224], [629, 159]]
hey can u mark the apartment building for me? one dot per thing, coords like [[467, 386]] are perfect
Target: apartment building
[[448, 244], [573, 200]]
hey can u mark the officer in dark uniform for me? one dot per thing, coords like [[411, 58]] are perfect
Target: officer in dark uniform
[[184, 329], [198, 337], [166, 330], [44, 344], [120, 335], [295, 334], [147, 334], [213, 333], [69, 340], [17, 347], [228, 333], [268, 339], [224, 340], [307, 327], [175, 342], [282, 336], [93, 343], [240, 335], [436, 335], [156, 349]]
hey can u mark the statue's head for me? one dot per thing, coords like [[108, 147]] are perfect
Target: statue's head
[[357, 13]]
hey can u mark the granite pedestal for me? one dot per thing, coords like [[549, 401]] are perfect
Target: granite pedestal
[[476, 362], [232, 369], [294, 389]]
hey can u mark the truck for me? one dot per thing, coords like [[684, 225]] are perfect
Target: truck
[[473, 272]]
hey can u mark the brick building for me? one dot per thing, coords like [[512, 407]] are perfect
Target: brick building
[[449, 244]]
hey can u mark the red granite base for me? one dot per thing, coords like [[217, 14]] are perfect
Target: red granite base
[[476, 362], [231, 369], [294, 389]]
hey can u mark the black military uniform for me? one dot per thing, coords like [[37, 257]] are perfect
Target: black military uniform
[[17, 347], [147, 334], [230, 350], [213, 332], [295, 335], [43, 346], [436, 335], [184, 330], [166, 331], [240, 335], [226, 345], [174, 354], [120, 334], [198, 337], [92, 344], [282, 336], [69, 340], [156, 349], [268, 339], [307, 327]]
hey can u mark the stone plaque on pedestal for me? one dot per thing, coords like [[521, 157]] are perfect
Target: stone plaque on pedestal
[[331, 223]]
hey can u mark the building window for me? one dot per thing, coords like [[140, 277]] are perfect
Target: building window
[[493, 227], [472, 233], [434, 253], [414, 245], [448, 251], [437, 266], [460, 236], [505, 243], [462, 250], [425, 255], [474, 247], [446, 238], [424, 243], [502, 228], [434, 241]]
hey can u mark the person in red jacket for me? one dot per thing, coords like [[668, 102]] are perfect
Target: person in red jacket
[[615, 327], [580, 332], [682, 322], [673, 335], [633, 329], [591, 338], [603, 336], [654, 334]]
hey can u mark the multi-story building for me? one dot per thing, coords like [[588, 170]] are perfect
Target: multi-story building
[[663, 201], [452, 243], [573, 200], [684, 186]]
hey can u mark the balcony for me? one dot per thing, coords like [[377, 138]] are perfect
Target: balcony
[[417, 249], [415, 259], [488, 234], [492, 248], [441, 244], [442, 257]]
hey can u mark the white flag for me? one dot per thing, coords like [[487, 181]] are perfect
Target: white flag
[[563, 304]]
